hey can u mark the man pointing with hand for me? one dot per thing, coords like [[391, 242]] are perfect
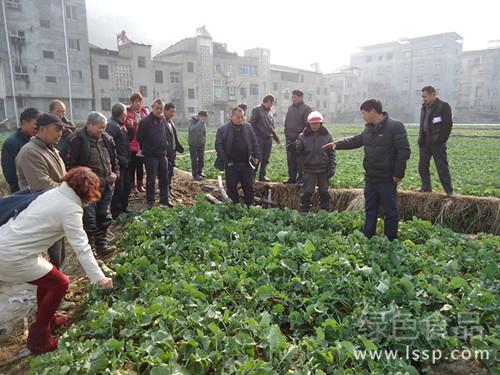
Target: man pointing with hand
[[386, 149]]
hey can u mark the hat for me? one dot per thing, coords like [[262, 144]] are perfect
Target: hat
[[47, 119], [314, 118]]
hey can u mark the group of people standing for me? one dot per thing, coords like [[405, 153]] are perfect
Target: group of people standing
[[83, 177]]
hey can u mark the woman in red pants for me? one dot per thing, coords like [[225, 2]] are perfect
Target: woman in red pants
[[50, 217]]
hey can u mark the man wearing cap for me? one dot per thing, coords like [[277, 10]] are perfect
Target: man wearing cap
[[40, 167], [295, 122], [262, 122], [387, 150], [319, 163]]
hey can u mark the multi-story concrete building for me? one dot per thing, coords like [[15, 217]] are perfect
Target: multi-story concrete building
[[395, 72], [44, 55], [479, 86]]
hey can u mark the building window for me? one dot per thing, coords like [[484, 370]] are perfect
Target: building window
[[190, 93], [70, 11], [191, 110], [420, 79], [144, 91], [77, 76], [106, 104], [51, 79], [103, 71], [389, 56], [190, 67], [141, 61], [318, 104], [74, 44], [48, 54], [380, 58], [368, 59], [122, 77], [325, 104], [175, 77], [45, 24], [436, 77], [243, 92], [275, 86], [318, 91], [14, 4], [244, 69], [159, 76], [254, 89]]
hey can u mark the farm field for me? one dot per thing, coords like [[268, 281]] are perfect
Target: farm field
[[226, 290]]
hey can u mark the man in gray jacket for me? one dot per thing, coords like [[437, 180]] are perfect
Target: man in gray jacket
[[197, 137], [295, 122]]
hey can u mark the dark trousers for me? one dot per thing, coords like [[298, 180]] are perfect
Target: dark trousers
[[97, 219], [119, 202], [295, 165], [243, 175], [266, 146], [57, 253], [136, 169], [197, 154], [310, 181], [156, 167], [438, 152], [384, 193]]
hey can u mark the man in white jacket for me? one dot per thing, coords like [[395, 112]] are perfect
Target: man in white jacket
[[50, 217]]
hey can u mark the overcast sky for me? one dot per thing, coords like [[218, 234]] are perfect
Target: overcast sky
[[298, 33]]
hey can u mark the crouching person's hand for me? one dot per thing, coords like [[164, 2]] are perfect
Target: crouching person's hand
[[106, 283]]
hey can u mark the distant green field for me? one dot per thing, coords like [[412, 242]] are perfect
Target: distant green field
[[473, 152]]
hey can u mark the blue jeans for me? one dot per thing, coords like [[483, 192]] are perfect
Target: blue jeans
[[385, 194]]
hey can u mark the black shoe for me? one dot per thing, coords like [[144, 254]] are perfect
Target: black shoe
[[197, 178], [202, 175], [264, 179], [166, 205], [289, 182], [451, 195]]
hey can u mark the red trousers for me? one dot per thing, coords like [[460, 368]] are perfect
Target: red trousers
[[51, 289]]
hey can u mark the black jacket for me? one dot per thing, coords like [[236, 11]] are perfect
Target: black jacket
[[262, 122], [174, 145], [386, 149], [75, 151], [440, 122], [10, 149], [152, 136], [296, 121], [122, 137], [315, 158], [224, 142]]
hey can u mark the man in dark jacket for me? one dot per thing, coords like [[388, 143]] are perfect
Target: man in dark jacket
[[435, 128], [197, 137], [295, 122], [262, 122], [15, 142], [174, 146], [386, 149], [122, 136], [319, 163], [91, 147], [238, 154], [152, 138]]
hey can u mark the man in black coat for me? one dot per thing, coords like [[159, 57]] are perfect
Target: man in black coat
[[237, 154], [435, 128], [262, 122], [122, 135], [152, 137], [15, 142], [387, 150]]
